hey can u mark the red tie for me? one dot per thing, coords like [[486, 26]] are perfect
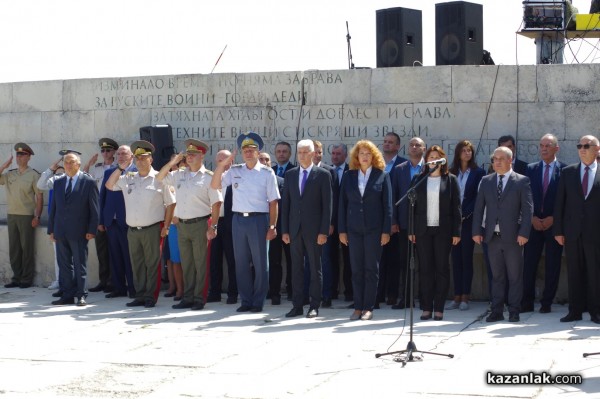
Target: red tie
[[584, 183]]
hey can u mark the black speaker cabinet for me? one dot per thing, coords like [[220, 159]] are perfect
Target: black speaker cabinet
[[458, 33], [399, 37], [161, 136]]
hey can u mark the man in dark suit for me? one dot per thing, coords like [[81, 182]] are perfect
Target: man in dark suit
[[576, 220], [389, 267], [339, 152], [401, 180], [544, 177], [283, 153], [305, 221], [72, 222], [509, 142], [113, 220], [505, 196]]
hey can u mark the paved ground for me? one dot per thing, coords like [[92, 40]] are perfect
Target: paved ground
[[106, 350]]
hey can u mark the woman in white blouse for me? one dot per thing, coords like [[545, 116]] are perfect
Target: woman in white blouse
[[436, 228]]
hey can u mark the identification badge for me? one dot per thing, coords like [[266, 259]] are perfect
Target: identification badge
[[235, 185]]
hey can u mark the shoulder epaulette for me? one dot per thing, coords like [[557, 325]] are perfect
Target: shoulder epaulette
[[86, 173], [265, 167], [237, 166], [11, 170], [209, 172], [99, 164]]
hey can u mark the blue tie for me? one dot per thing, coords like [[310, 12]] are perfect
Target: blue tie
[[303, 183], [69, 189]]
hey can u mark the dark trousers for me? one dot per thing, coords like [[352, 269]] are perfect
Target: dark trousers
[[72, 263], [276, 248], [101, 241], [365, 253], [389, 270], [120, 261], [221, 245], [250, 249], [532, 254], [336, 266], [583, 255], [20, 247], [302, 245], [506, 261], [326, 269], [462, 260], [434, 268]]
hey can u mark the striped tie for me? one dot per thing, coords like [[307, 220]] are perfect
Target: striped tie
[[69, 189]]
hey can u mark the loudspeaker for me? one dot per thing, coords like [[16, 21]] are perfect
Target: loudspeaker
[[161, 136], [399, 37], [458, 33]]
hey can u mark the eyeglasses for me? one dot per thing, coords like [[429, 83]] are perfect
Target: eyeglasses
[[106, 150], [585, 146]]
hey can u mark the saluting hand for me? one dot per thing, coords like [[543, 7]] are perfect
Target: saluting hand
[[227, 161], [55, 165], [7, 163]]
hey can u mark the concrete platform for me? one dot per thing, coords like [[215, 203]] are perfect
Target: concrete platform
[[106, 350]]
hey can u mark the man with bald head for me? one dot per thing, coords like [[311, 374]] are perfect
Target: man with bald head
[[576, 220]]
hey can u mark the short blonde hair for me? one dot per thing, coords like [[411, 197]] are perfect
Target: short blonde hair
[[376, 162]]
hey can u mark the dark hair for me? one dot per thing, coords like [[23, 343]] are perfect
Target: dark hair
[[395, 135], [505, 138], [439, 150], [456, 162], [284, 143]]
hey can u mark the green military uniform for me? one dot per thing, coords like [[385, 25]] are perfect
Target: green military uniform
[[21, 191]]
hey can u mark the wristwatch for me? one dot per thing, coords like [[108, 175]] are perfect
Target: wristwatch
[[272, 227], [214, 227]]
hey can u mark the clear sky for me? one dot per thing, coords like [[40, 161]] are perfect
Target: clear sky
[[73, 39]]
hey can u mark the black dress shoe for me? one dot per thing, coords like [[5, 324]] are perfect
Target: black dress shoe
[[326, 303], [135, 303], [81, 302], [527, 307], [438, 318], [98, 288], [231, 300], [426, 316], [275, 300], [57, 294], [149, 303], [115, 295], [494, 317], [256, 309], [183, 305], [571, 317], [213, 298], [295, 312], [399, 305], [312, 313], [169, 294], [11, 285], [545, 309], [243, 308], [63, 301], [24, 285], [513, 317], [197, 306], [177, 298]]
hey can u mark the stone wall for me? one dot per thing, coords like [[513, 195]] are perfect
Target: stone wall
[[441, 104]]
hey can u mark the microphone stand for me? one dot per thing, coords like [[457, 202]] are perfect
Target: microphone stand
[[350, 63], [591, 354], [408, 354]]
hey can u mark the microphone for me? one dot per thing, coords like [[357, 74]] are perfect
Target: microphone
[[436, 162]]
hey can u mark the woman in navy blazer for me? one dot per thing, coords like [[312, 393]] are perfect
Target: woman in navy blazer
[[469, 175], [436, 230], [365, 222]]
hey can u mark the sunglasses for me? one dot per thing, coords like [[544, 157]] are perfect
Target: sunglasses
[[22, 154], [585, 146], [106, 150]]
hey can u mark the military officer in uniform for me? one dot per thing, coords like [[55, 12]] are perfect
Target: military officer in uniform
[[255, 196], [25, 203], [107, 148], [147, 204], [197, 201]]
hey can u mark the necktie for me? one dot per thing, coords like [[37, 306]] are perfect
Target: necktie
[[500, 186], [339, 174], [280, 171], [69, 188], [584, 183], [545, 184], [303, 183]]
